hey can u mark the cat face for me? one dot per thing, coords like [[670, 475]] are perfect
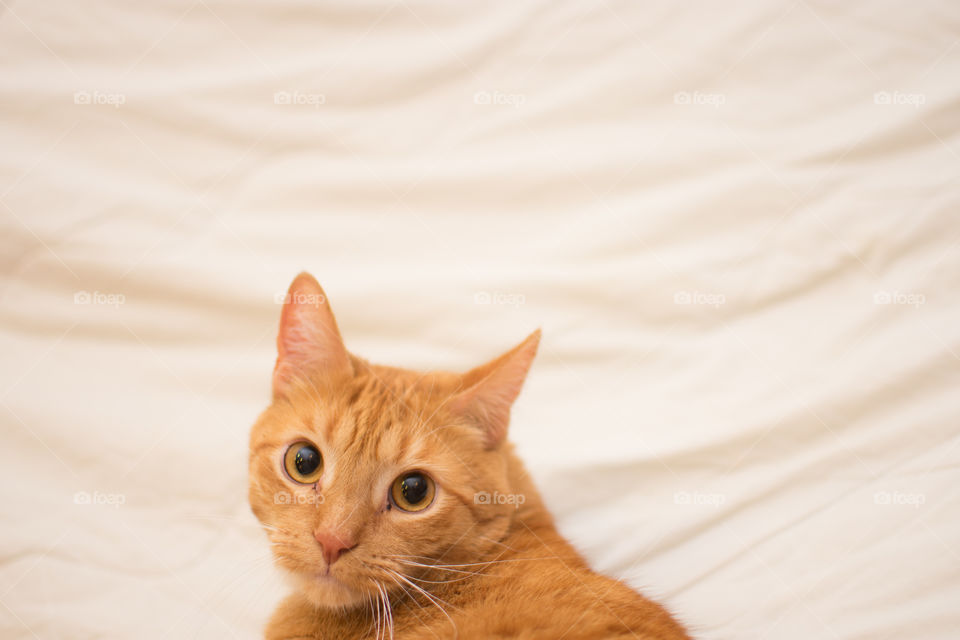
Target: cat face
[[360, 473]]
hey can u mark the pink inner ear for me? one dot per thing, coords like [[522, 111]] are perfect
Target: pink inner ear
[[308, 342], [494, 388]]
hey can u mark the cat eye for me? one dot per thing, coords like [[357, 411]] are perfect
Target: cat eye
[[413, 491], [303, 462]]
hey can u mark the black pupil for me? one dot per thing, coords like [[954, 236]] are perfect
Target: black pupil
[[414, 488], [308, 460]]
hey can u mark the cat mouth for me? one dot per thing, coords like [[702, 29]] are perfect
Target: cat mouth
[[325, 577], [319, 577], [327, 590]]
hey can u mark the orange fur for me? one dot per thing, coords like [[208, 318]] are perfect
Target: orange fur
[[465, 567]]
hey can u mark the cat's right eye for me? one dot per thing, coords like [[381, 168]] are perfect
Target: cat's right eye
[[303, 462]]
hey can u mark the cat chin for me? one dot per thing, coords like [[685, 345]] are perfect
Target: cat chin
[[326, 591]]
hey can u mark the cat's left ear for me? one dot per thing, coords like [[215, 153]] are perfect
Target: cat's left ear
[[492, 388], [309, 342]]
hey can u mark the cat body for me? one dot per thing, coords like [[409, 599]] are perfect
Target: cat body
[[397, 506]]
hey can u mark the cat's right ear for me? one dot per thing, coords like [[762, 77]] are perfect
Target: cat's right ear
[[308, 343]]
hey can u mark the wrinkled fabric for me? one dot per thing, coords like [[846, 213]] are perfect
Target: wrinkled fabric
[[737, 227]]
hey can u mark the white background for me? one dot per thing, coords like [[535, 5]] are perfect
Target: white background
[[774, 459]]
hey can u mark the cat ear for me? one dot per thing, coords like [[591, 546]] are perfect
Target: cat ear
[[308, 342], [492, 388]]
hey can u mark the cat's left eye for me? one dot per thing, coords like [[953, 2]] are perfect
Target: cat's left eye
[[413, 491], [303, 462]]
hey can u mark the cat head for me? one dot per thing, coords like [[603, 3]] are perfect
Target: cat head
[[361, 473]]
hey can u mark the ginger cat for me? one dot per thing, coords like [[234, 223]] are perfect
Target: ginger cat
[[400, 510]]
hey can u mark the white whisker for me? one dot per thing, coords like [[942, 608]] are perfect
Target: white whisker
[[388, 612], [472, 564], [440, 567], [375, 603], [466, 577], [433, 600]]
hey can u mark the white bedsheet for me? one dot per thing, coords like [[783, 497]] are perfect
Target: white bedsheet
[[737, 227]]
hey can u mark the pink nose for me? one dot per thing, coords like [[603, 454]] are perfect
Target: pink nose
[[333, 544]]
